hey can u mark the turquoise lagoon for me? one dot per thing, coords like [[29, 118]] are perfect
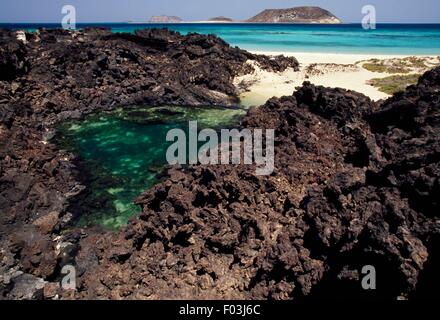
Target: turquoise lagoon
[[123, 152]]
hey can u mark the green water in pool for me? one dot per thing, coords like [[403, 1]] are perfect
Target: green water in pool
[[123, 151]]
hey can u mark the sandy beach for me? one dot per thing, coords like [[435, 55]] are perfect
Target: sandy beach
[[328, 69]]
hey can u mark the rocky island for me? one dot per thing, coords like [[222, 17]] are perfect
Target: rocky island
[[221, 19], [295, 15], [165, 19]]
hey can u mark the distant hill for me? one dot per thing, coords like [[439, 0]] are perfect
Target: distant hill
[[221, 19], [295, 15], [165, 19]]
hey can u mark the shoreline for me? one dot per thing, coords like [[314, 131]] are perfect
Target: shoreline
[[343, 70], [340, 58]]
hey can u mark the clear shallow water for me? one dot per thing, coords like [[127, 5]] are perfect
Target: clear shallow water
[[124, 151], [405, 39]]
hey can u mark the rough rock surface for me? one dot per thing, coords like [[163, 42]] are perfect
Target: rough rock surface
[[56, 75], [356, 183], [13, 62]]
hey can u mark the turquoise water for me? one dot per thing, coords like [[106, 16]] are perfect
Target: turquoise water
[[405, 39], [125, 150]]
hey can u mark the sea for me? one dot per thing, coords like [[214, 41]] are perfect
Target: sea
[[407, 39]]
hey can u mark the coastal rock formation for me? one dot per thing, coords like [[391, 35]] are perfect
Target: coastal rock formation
[[13, 61], [295, 15], [356, 184], [60, 74], [56, 75], [165, 19]]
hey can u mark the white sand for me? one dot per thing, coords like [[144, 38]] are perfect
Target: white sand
[[334, 70], [306, 58]]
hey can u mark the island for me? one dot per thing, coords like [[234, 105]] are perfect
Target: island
[[295, 15], [165, 19], [221, 19]]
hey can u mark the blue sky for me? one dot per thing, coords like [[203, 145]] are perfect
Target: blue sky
[[404, 11]]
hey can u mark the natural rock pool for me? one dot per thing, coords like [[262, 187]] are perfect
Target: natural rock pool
[[122, 153]]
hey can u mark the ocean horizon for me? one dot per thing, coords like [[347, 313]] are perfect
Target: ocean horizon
[[387, 38]]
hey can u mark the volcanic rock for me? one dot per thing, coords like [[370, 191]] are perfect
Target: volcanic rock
[[355, 184], [56, 75]]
